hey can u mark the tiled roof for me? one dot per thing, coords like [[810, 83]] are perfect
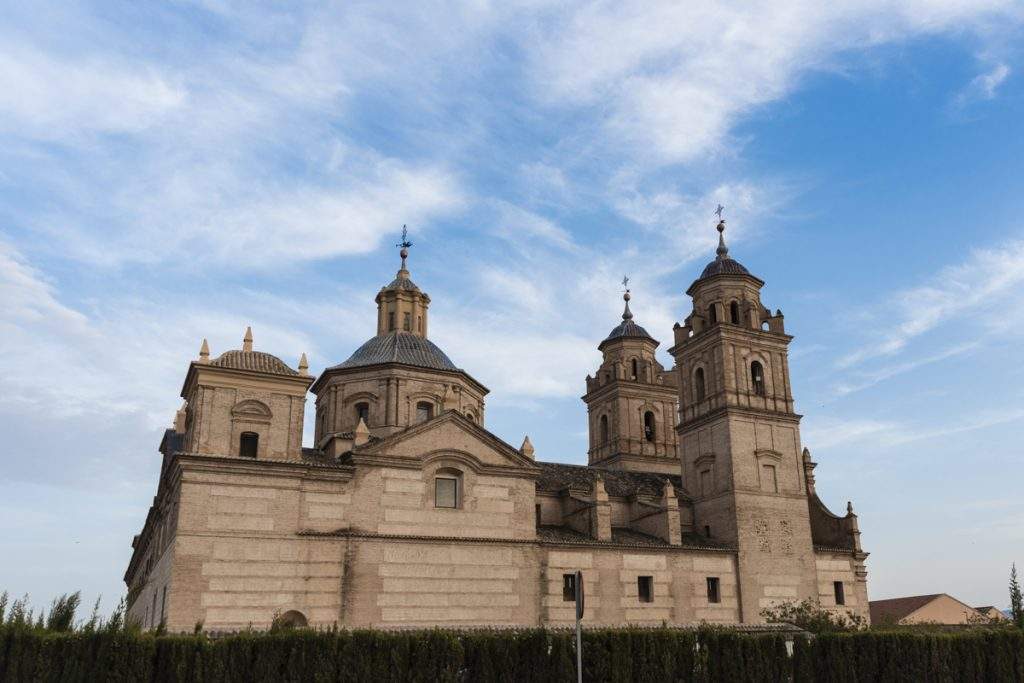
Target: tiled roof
[[252, 360], [399, 347], [556, 476], [723, 266], [403, 283], [622, 536], [894, 609], [627, 328]]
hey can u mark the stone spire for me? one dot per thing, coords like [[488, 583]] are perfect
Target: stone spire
[[303, 364], [723, 250], [204, 352], [247, 340]]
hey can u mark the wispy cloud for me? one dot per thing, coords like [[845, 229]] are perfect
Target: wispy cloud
[[983, 86], [972, 290], [830, 433]]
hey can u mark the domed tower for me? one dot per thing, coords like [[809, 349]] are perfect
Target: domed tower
[[631, 403], [396, 379], [739, 437], [243, 403]]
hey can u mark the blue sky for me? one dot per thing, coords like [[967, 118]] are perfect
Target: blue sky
[[180, 170]]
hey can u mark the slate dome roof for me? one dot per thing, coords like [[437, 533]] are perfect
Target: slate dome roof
[[627, 328], [252, 360], [399, 347], [723, 266]]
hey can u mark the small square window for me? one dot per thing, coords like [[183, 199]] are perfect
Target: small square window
[[714, 590], [645, 588], [446, 492], [840, 592], [569, 587]]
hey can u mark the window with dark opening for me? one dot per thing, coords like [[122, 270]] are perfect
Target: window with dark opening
[[712, 314], [248, 444], [757, 377], [424, 411], [635, 374], [363, 412], [840, 592], [391, 321], [714, 592], [649, 426], [446, 492], [407, 322], [698, 384], [536, 513], [645, 588], [707, 530], [734, 313], [569, 587], [604, 429]]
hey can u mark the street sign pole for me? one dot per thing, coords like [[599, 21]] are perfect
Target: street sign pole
[[579, 630]]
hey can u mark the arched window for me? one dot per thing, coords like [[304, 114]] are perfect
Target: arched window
[[447, 488], [649, 426], [363, 413], [635, 369], [734, 313], [604, 429], [757, 377], [712, 314], [248, 444], [424, 411], [698, 384], [291, 619], [407, 322]]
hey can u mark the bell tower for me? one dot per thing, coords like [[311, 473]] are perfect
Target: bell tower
[[631, 403], [739, 437]]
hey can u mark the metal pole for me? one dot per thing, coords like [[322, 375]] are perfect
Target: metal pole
[[579, 652]]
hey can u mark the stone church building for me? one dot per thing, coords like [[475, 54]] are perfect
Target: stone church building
[[698, 503]]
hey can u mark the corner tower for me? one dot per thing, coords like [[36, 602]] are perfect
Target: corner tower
[[631, 403], [739, 436]]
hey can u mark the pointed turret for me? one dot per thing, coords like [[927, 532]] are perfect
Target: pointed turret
[[247, 340], [527, 448], [362, 433], [303, 364], [204, 352]]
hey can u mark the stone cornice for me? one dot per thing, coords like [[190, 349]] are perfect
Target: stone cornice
[[684, 427], [374, 371], [296, 385]]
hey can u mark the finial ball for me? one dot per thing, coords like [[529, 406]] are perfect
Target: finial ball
[[627, 296], [721, 226], [404, 253]]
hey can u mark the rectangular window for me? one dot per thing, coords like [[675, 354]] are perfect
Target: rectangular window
[[840, 591], [446, 491], [391, 321], [407, 322], [163, 604], [714, 591], [768, 481], [536, 509], [705, 483], [707, 530], [569, 587], [645, 588]]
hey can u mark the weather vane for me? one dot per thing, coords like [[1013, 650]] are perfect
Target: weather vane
[[719, 210], [405, 243]]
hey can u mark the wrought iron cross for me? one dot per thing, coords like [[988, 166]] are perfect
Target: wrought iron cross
[[719, 210], [625, 281]]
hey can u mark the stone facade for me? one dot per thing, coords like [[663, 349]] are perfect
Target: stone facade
[[698, 503]]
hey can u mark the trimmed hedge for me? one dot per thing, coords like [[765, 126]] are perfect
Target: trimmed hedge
[[996, 655], [700, 656]]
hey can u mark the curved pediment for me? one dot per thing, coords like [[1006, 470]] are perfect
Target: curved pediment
[[251, 409]]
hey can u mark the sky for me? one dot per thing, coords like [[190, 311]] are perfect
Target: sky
[[177, 171]]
